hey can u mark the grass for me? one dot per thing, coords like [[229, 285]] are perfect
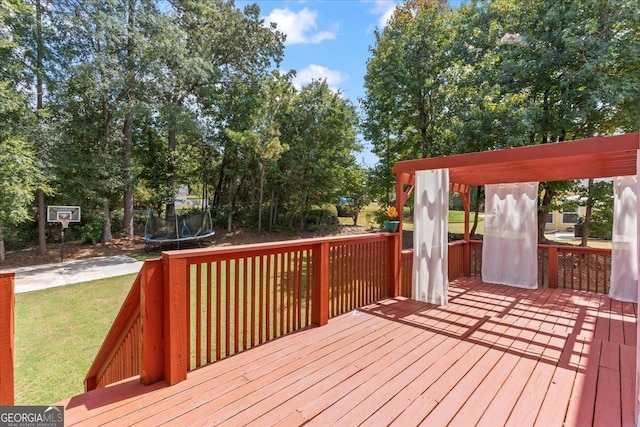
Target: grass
[[58, 333], [367, 218]]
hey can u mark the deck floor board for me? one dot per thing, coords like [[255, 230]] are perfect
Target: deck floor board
[[496, 355]]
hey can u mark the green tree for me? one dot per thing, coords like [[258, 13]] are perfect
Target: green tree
[[320, 130], [355, 192], [405, 104], [205, 49], [19, 172], [263, 139]]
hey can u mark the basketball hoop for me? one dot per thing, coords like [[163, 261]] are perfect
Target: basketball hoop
[[65, 218], [65, 215]]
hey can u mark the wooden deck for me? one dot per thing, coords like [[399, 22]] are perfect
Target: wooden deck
[[495, 356]]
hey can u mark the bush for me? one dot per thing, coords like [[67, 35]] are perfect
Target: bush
[[91, 230], [346, 210], [320, 215]]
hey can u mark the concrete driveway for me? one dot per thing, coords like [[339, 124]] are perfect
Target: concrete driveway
[[45, 276]]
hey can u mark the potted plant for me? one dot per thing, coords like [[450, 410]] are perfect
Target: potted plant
[[392, 222]]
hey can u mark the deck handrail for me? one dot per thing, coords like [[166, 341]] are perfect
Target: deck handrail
[[564, 266], [193, 307], [120, 355], [7, 334], [164, 328]]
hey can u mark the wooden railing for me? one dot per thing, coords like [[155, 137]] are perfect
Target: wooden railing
[[456, 259], [456, 263], [574, 267], [131, 337], [7, 333], [563, 266], [406, 268], [194, 307]]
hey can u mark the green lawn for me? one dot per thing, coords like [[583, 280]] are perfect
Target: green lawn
[[58, 333], [367, 219]]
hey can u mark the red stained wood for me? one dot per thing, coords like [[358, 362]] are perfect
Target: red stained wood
[[320, 301], [176, 321], [152, 302], [7, 333], [599, 157], [495, 355], [120, 332]]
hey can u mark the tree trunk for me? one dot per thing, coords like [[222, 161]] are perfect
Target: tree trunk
[[543, 210], [2, 253], [42, 222], [106, 216], [423, 128], [171, 170], [476, 210], [587, 215], [230, 220], [272, 211], [260, 198], [42, 209], [127, 225]]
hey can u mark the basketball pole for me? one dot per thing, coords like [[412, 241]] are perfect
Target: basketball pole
[[62, 243]]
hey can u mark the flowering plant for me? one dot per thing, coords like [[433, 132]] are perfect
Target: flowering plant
[[391, 213]]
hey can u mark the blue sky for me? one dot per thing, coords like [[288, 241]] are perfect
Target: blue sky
[[329, 39]]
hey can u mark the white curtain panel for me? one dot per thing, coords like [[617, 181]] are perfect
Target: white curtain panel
[[624, 253], [430, 238], [510, 244]]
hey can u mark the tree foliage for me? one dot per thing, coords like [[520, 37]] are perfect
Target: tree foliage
[[501, 73], [135, 98]]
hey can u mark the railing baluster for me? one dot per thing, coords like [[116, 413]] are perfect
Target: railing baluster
[[209, 311], [245, 304], [262, 324], [218, 310], [253, 301], [236, 306], [227, 308], [198, 308]]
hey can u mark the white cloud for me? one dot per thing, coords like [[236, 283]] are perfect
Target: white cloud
[[384, 8], [300, 27], [318, 72]]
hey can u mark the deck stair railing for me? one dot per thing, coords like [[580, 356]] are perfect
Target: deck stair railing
[[7, 309], [194, 307]]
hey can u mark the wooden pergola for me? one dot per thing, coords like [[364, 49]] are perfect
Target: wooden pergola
[[599, 157]]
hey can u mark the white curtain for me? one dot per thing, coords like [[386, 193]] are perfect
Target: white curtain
[[430, 238], [624, 253], [510, 244]]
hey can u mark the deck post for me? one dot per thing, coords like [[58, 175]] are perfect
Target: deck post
[[466, 250], [320, 293], [395, 274], [7, 333], [176, 319], [553, 267], [151, 316]]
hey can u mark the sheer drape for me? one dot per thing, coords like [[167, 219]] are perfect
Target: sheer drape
[[430, 239], [510, 244], [624, 253]]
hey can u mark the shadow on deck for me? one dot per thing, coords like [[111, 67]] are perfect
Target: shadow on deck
[[496, 355]]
